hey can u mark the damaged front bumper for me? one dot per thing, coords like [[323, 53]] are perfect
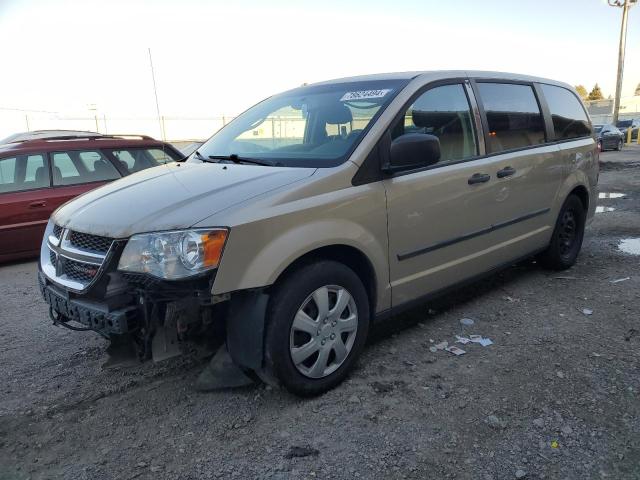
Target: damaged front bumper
[[79, 280], [92, 315]]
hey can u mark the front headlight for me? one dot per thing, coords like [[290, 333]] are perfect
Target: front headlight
[[174, 255]]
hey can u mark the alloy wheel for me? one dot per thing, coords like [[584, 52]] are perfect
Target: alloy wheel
[[323, 331]]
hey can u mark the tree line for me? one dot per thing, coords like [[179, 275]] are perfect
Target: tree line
[[596, 93]]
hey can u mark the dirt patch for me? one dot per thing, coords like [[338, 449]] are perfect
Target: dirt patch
[[555, 396]]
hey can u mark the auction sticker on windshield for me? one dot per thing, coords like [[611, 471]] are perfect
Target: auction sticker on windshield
[[364, 94]]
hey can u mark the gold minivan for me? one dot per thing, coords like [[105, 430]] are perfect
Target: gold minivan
[[321, 210]]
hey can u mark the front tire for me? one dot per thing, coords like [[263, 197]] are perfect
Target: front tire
[[567, 237], [619, 146], [317, 324]]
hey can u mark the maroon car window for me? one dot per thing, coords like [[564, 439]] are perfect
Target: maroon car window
[[136, 159], [23, 172], [75, 167]]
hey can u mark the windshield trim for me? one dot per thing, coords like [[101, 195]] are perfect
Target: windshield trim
[[397, 85]]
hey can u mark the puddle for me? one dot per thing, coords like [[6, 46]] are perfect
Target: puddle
[[630, 245], [601, 209], [611, 195]]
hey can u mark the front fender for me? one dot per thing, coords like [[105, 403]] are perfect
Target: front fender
[[257, 252]]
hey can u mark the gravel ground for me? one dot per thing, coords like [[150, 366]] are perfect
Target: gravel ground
[[555, 396]]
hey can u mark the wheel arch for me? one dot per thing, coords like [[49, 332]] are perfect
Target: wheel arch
[[582, 193], [348, 255]]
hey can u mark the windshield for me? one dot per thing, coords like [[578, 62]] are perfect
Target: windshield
[[623, 123], [316, 126], [597, 128]]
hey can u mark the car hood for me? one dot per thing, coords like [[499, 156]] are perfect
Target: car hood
[[170, 197]]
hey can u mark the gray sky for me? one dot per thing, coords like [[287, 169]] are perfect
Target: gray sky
[[215, 58]]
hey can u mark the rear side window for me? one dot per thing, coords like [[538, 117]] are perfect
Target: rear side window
[[569, 118], [513, 116], [72, 168], [444, 112], [136, 159], [23, 172]]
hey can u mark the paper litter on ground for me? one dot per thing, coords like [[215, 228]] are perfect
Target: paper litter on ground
[[618, 280], [481, 340], [455, 350]]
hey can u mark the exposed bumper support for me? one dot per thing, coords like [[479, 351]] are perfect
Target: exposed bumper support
[[93, 315]]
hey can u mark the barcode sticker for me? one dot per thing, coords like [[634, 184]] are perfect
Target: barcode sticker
[[364, 94]]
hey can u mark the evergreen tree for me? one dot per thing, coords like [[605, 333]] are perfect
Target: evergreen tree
[[596, 93]]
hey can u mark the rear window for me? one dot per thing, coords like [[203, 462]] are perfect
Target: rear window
[[136, 159], [623, 123], [23, 172], [569, 118], [513, 116]]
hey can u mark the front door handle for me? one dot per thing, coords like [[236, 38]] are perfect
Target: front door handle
[[38, 204], [506, 172], [478, 178]]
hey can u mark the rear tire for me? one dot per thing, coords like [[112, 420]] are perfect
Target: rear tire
[[319, 315], [567, 237]]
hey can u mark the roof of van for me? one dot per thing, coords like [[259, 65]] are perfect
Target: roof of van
[[442, 74]]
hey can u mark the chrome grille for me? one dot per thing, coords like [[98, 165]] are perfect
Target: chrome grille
[[79, 271], [73, 259], [86, 241]]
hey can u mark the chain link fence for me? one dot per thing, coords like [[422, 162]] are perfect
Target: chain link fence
[[168, 128]]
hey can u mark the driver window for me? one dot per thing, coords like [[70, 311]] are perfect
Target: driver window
[[283, 127], [444, 112]]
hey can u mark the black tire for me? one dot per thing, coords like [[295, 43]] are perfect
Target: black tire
[[619, 146], [567, 237], [289, 296]]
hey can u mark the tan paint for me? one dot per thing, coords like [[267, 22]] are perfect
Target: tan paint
[[277, 215]]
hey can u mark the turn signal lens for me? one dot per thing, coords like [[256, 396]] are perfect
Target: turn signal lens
[[213, 244]]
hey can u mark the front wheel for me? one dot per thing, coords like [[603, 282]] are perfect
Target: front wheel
[[619, 146], [318, 322], [568, 233]]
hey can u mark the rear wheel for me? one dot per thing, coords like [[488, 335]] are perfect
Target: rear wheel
[[566, 240], [318, 322]]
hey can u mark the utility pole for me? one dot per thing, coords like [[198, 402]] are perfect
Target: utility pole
[[625, 4], [155, 92]]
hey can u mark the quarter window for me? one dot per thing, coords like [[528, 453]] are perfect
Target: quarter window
[[23, 172], [568, 115], [513, 116], [444, 112]]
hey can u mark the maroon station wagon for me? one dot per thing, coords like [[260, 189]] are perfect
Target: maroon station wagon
[[37, 176]]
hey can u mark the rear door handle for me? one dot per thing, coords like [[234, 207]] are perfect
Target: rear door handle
[[38, 204], [506, 172], [478, 178]]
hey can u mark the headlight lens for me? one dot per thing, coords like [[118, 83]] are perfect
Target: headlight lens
[[174, 255]]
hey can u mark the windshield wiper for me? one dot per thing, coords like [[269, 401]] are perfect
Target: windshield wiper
[[236, 159], [199, 156]]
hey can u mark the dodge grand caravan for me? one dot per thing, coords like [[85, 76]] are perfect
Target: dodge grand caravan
[[321, 210]]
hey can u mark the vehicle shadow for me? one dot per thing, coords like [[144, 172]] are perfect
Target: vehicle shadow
[[383, 329]]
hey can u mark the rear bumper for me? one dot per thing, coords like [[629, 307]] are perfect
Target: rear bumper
[[93, 315]]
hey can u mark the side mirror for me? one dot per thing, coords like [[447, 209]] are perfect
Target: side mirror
[[413, 150]]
